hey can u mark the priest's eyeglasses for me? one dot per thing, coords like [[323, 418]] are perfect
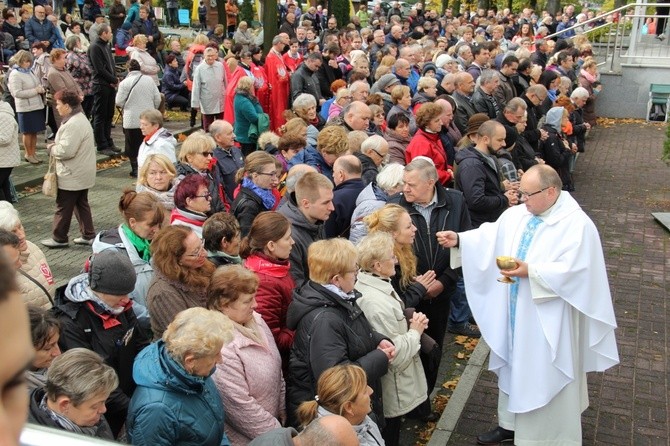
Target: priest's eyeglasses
[[525, 195]]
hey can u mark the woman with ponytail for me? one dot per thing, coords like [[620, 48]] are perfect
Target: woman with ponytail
[[266, 250], [343, 390], [143, 216]]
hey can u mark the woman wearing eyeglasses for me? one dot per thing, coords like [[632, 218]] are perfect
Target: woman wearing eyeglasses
[[196, 157], [181, 275], [257, 179], [192, 201], [404, 387]]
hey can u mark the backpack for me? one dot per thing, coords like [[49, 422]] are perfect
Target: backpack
[[187, 74]]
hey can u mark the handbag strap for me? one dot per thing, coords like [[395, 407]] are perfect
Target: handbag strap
[[27, 276], [52, 164], [131, 91]]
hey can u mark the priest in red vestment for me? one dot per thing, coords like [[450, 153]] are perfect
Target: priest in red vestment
[[278, 79]]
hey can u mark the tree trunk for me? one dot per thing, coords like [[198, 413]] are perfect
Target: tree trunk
[[483, 4], [269, 24], [620, 3], [533, 4], [553, 6], [221, 9]]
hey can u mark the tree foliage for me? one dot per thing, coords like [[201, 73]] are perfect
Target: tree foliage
[[246, 12], [341, 12]]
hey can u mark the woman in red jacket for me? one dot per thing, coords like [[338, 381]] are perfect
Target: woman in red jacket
[[426, 141], [266, 250]]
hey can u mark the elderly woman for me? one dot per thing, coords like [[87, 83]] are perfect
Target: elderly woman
[[343, 390], [58, 78], [77, 63], [426, 91], [304, 107], [588, 79], [404, 387], [75, 30], [27, 91], [342, 99], [195, 157], [331, 144], [143, 215], [35, 279], [96, 313], [192, 201], [181, 275], [10, 154], [402, 104], [45, 333], [176, 401], [398, 137], [388, 183], [257, 180], [174, 89], [247, 110], [138, 51], [426, 142], [249, 376], [266, 251], [221, 234], [77, 386], [156, 139], [133, 94], [327, 320], [157, 177], [74, 152]]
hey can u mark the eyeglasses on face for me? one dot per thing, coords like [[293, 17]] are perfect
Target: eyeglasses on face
[[525, 195], [269, 174], [199, 252], [207, 196], [207, 154]]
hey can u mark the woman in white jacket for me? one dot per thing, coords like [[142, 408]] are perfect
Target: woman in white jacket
[[136, 94], [74, 150], [10, 156], [404, 386]]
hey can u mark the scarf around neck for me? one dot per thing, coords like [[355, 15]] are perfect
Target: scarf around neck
[[65, 422], [251, 330], [265, 195], [588, 76], [140, 244]]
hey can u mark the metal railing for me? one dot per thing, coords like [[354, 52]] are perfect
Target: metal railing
[[622, 37]]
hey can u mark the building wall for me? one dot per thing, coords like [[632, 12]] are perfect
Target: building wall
[[626, 95]]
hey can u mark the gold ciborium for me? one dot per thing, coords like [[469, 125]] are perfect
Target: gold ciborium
[[506, 263]]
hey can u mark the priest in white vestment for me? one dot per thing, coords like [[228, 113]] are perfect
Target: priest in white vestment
[[551, 327]]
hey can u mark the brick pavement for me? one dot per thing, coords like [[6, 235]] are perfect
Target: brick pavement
[[620, 180]]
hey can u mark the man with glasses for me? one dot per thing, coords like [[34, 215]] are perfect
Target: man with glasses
[[533, 97], [39, 29], [554, 324], [374, 152], [513, 112], [348, 184]]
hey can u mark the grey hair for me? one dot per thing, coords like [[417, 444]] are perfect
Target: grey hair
[[463, 48], [487, 76], [425, 166], [9, 217], [218, 126], [209, 50], [276, 39], [515, 104], [354, 87], [80, 374], [390, 177], [373, 248], [304, 101], [198, 332], [71, 42], [580, 92], [295, 173], [372, 143]]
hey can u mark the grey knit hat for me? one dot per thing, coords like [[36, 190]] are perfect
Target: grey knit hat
[[111, 272]]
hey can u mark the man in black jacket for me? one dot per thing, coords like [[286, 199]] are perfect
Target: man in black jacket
[[533, 97], [104, 90], [348, 184], [329, 70], [304, 79], [465, 86], [144, 25], [483, 100]]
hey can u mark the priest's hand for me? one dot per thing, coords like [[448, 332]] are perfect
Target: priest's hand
[[521, 270], [448, 239]]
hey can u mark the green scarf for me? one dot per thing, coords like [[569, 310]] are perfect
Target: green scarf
[[140, 244]]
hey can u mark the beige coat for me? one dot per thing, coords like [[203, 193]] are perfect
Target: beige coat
[[404, 386], [74, 150], [10, 155], [35, 265]]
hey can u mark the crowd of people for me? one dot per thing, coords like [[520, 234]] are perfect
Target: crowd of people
[[296, 263]]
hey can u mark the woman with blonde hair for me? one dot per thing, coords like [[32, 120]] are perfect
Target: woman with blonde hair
[[327, 320], [257, 180], [404, 387], [138, 51], [401, 96], [343, 390], [157, 176], [176, 401], [249, 376], [181, 275]]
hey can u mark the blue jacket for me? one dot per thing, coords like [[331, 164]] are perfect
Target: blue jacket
[[171, 85], [37, 32], [312, 157], [172, 407], [344, 201], [247, 110], [133, 13]]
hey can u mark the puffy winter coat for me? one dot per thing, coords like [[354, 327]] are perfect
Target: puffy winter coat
[[23, 87], [10, 155], [330, 331], [34, 264], [161, 142], [369, 200], [137, 92], [250, 383], [312, 157], [429, 144], [275, 291], [246, 207], [368, 167], [404, 387], [397, 146], [171, 406], [478, 179]]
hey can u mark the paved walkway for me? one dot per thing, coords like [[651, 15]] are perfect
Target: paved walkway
[[620, 180]]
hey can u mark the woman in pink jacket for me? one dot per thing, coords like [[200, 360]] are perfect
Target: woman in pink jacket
[[249, 376]]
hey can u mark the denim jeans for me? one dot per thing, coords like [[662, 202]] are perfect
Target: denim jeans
[[460, 310]]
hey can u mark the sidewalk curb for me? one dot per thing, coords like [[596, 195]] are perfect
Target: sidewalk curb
[[449, 418], [39, 178]]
